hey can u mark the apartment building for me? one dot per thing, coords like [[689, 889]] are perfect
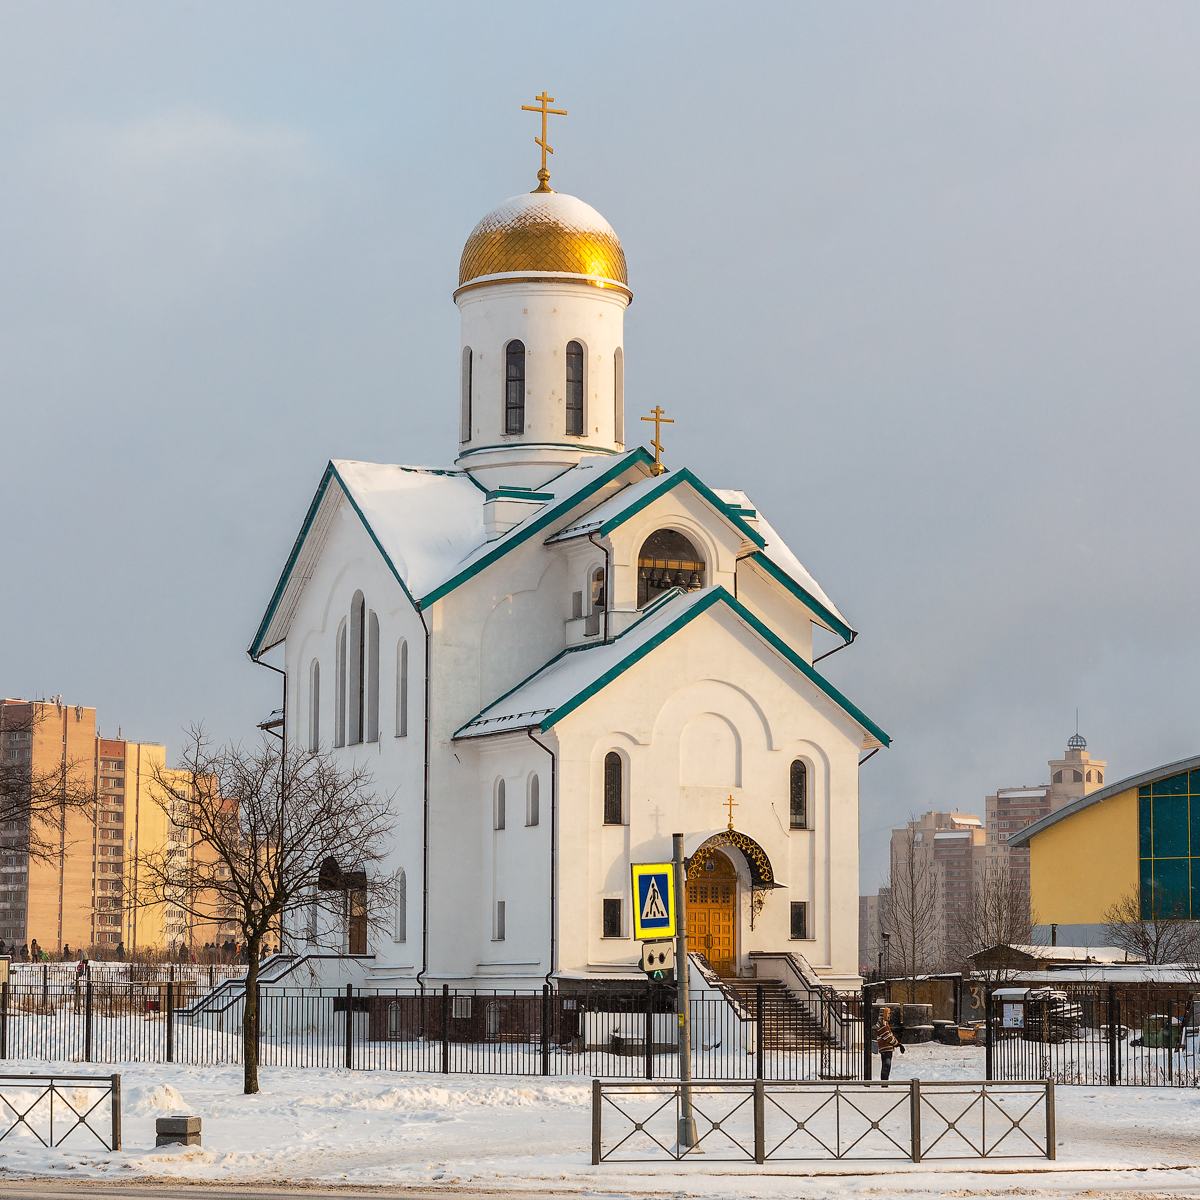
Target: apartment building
[[78, 892]]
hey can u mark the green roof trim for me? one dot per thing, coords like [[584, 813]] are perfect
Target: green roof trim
[[674, 479], [805, 597], [331, 473], [256, 646], [717, 595], [527, 529]]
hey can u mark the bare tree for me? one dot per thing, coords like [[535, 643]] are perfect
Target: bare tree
[[261, 835], [35, 798], [1163, 934], [912, 910], [996, 915]]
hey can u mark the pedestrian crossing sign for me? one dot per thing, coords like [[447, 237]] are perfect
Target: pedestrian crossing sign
[[653, 901]]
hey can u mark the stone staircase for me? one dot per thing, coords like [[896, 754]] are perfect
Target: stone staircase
[[787, 1023]]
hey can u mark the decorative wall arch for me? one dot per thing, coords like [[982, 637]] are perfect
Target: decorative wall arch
[[762, 873]]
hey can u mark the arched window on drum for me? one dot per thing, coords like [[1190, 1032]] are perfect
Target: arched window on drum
[[667, 560]]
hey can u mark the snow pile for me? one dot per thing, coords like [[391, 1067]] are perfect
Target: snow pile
[[496, 1133]]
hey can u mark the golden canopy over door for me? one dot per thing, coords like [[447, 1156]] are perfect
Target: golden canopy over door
[[712, 913]]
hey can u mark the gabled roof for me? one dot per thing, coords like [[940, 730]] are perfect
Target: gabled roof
[[1021, 837], [630, 501], [577, 674], [426, 523]]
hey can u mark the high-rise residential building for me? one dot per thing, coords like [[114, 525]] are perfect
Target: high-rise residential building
[[78, 892]]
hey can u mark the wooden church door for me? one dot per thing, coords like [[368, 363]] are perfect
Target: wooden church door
[[712, 913]]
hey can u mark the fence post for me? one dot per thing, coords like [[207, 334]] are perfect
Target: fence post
[[45, 987], [545, 1029], [349, 1027], [445, 1029], [258, 1023], [210, 977], [1170, 1038], [595, 1122], [759, 1041], [914, 1101], [866, 1031], [1114, 1070], [87, 1024], [116, 1111], [760, 1119], [4, 1019], [171, 1019], [649, 1029], [1051, 1135], [990, 1034]]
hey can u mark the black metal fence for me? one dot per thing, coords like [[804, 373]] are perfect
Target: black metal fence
[[908, 1120], [50, 1108], [1084, 1033], [586, 1032]]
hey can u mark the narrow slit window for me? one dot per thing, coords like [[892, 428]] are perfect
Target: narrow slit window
[[612, 919], [619, 396], [339, 721], [799, 920], [798, 798], [574, 389], [614, 789], [402, 688], [514, 388], [358, 654], [373, 677], [533, 815], [498, 823], [499, 920], [400, 931], [468, 366], [314, 706]]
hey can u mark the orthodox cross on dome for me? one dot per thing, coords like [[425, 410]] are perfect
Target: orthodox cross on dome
[[543, 174], [731, 804], [656, 415]]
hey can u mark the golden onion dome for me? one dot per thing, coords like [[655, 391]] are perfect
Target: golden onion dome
[[546, 233]]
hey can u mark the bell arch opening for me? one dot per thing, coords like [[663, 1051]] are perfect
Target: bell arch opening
[[668, 560]]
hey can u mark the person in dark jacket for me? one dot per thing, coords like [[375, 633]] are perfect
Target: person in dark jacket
[[888, 1042]]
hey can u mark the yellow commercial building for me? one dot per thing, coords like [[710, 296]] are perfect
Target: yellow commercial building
[[1139, 836]]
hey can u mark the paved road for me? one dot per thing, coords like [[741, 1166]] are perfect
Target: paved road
[[53, 1190]]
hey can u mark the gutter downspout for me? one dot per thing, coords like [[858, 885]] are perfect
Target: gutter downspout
[[853, 635], [553, 855], [735, 563], [425, 813], [608, 582]]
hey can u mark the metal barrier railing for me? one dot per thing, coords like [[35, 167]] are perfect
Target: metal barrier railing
[[825, 1120], [30, 1104]]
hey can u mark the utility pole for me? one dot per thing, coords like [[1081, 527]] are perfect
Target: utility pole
[[687, 1123]]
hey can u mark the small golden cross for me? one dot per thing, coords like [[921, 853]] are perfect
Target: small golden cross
[[659, 420], [543, 174], [731, 804]]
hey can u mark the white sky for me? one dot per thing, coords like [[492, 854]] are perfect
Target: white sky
[[921, 278]]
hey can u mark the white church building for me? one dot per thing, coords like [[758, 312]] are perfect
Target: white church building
[[557, 653]]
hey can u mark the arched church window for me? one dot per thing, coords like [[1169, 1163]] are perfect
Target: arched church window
[[619, 396], [1099, 776], [574, 389], [373, 677], [1076, 776], [533, 810], [400, 928], [339, 700], [1058, 777], [314, 706], [667, 560], [464, 431], [498, 821], [514, 388], [1089, 777], [614, 789], [402, 688], [358, 653], [798, 795]]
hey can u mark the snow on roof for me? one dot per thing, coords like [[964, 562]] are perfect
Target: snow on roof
[[778, 551], [956, 833], [573, 676], [1099, 954], [1115, 973], [1022, 791]]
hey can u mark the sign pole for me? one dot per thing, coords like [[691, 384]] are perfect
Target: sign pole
[[687, 1123]]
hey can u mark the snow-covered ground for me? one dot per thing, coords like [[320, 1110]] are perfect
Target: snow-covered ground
[[513, 1134]]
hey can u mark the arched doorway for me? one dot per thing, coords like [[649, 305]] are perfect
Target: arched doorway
[[712, 912]]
